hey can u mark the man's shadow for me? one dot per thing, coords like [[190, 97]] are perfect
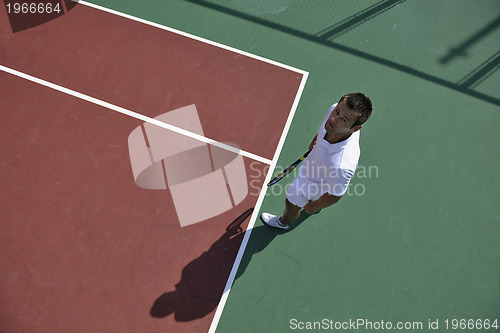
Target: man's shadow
[[203, 280]]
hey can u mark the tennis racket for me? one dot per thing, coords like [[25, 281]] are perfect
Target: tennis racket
[[285, 172]]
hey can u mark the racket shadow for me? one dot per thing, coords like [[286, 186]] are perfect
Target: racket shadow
[[202, 282]]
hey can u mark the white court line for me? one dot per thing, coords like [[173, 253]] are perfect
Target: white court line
[[255, 214], [135, 115]]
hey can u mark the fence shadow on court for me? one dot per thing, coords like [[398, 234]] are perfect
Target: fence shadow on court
[[326, 37], [203, 280]]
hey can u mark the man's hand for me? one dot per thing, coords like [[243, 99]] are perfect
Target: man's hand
[[313, 142]]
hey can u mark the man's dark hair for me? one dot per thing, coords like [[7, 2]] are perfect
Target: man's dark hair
[[358, 102]]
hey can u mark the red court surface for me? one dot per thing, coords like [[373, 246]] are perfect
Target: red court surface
[[83, 248], [151, 71]]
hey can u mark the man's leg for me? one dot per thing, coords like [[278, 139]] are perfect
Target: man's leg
[[290, 214]]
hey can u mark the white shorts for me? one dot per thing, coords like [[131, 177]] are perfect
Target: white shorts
[[301, 191]]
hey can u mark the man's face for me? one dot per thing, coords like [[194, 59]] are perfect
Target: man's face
[[341, 120]]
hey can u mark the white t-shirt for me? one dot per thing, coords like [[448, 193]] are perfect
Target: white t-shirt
[[330, 167]]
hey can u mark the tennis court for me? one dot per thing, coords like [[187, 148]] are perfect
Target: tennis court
[[103, 103]]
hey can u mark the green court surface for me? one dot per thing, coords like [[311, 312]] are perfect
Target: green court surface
[[416, 239]]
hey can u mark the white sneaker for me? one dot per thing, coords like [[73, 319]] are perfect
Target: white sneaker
[[273, 221]]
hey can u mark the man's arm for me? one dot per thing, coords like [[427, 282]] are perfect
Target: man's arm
[[324, 201], [311, 145]]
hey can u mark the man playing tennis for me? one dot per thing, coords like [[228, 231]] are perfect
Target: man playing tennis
[[325, 174]]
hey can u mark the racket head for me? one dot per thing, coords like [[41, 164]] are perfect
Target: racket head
[[239, 220]]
